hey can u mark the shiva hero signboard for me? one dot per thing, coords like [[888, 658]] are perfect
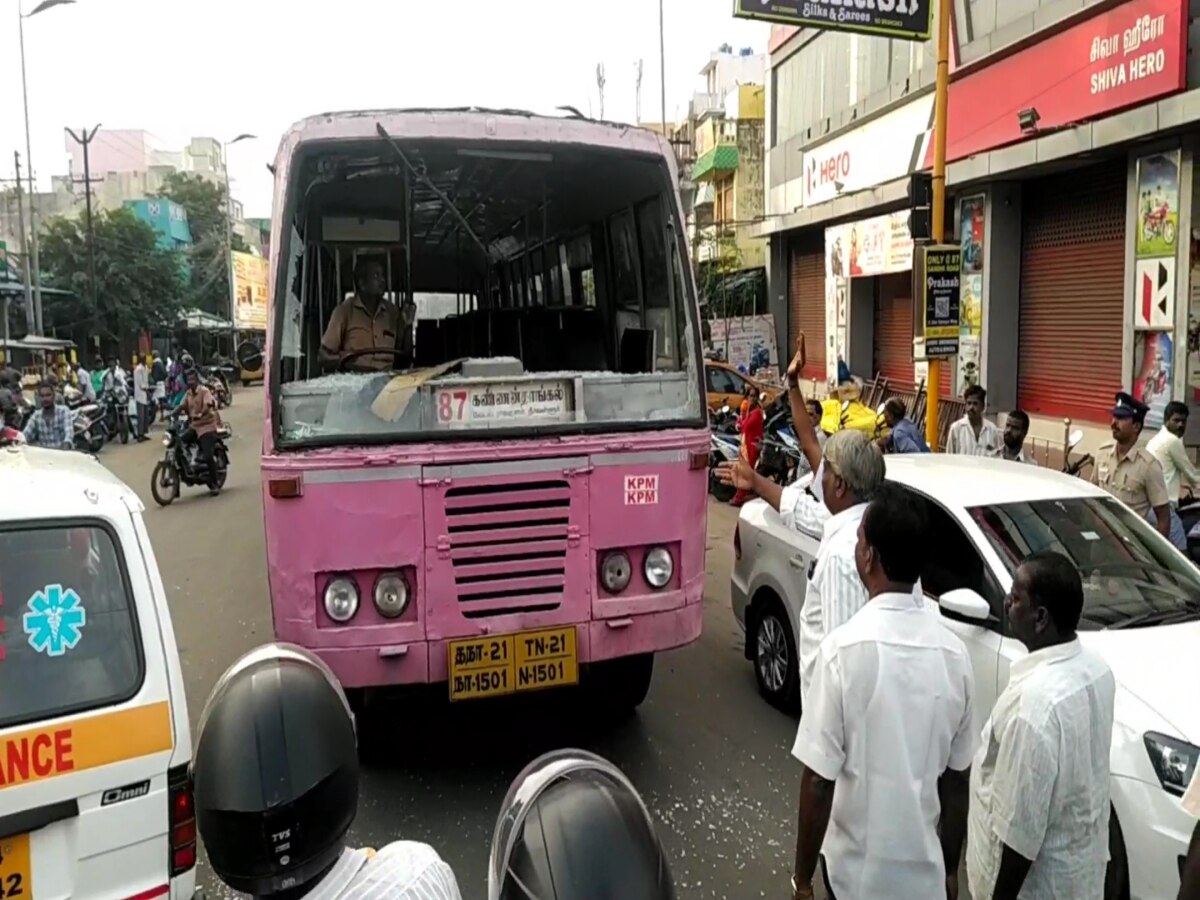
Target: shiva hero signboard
[[909, 20]]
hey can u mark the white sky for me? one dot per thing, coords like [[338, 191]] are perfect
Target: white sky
[[217, 68]]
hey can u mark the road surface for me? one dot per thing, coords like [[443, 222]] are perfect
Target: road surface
[[710, 757]]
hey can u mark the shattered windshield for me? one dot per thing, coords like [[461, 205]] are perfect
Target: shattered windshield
[[439, 289]]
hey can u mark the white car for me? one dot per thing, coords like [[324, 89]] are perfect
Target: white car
[[1141, 613], [95, 792]]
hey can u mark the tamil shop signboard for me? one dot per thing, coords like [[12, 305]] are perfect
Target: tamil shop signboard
[[1127, 55], [939, 273], [909, 20], [1120, 58]]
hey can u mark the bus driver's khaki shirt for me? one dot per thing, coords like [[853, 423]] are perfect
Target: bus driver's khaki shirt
[[352, 328]]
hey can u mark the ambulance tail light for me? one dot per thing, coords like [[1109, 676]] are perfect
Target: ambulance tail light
[[182, 821]]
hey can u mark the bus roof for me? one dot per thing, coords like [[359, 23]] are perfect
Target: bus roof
[[472, 124]]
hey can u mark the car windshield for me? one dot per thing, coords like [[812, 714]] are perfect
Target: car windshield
[[1130, 577], [536, 288], [68, 635]]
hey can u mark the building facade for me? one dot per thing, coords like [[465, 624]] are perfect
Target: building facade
[[1070, 138]]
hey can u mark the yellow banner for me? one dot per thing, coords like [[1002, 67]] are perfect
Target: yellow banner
[[250, 292], [42, 753]]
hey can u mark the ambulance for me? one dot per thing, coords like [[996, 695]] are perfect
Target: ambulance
[[95, 794]]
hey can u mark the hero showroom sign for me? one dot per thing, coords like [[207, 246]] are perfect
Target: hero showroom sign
[[1125, 56], [909, 20], [883, 149]]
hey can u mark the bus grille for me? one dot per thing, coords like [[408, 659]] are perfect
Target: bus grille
[[508, 546]]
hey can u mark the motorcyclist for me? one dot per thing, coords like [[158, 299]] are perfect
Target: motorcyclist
[[573, 827], [203, 423], [279, 718]]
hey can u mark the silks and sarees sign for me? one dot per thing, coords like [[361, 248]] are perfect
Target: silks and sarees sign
[[910, 20]]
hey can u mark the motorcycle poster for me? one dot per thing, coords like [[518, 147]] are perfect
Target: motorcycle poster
[[1153, 373], [1158, 204]]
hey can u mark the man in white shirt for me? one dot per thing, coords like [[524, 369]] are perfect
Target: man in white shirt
[[1190, 888], [1167, 447], [1040, 783], [1012, 445], [974, 434], [404, 870], [141, 396], [887, 735], [848, 470]]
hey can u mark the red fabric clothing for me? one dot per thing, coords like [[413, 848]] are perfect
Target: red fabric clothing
[[752, 434]]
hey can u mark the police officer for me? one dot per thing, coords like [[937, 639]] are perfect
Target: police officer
[[1128, 471]]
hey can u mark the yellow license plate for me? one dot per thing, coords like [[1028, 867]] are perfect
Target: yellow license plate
[[16, 871], [512, 663]]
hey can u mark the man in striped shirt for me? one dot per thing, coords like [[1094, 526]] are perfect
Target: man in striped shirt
[[404, 870]]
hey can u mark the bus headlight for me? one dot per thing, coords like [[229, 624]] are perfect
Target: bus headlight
[[659, 567], [615, 572], [391, 595], [341, 599]]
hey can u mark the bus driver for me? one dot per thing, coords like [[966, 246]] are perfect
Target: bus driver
[[369, 321]]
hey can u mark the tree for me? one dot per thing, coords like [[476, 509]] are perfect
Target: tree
[[139, 285], [208, 219]]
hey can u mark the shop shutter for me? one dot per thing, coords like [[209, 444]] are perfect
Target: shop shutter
[[1072, 293], [806, 299], [894, 330]]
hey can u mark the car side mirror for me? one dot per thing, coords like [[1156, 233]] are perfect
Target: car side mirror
[[966, 605]]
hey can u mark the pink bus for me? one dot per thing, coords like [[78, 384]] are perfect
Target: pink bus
[[511, 496]]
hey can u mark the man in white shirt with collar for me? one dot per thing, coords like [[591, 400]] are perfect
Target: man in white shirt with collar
[[888, 733], [1167, 447], [974, 434], [1040, 783], [848, 470]]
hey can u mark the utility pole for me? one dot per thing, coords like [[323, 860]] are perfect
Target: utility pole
[[30, 321], [600, 82], [662, 64], [938, 214], [638, 101], [87, 191]]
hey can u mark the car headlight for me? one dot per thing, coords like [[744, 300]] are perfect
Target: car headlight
[[1174, 761], [658, 567], [615, 572], [391, 595], [341, 599]]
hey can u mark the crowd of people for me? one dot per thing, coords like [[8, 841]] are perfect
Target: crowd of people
[[155, 384], [897, 778]]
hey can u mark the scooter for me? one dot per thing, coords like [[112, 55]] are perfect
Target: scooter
[[1075, 467], [722, 448]]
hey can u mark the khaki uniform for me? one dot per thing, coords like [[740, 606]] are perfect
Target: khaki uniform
[[352, 328], [1136, 480]]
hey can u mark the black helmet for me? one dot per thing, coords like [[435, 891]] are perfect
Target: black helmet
[[573, 826], [275, 771]]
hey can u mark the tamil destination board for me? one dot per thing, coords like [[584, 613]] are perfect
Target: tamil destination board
[[941, 274], [907, 20]]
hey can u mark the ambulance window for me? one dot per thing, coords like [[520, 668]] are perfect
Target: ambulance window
[[68, 635]]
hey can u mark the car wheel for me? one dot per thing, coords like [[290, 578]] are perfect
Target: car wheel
[[773, 651], [1116, 877]]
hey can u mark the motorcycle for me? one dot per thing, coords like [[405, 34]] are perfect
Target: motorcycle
[[114, 404], [182, 463], [90, 431], [1157, 223], [1075, 467], [216, 379], [1189, 514], [723, 446], [780, 455]]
